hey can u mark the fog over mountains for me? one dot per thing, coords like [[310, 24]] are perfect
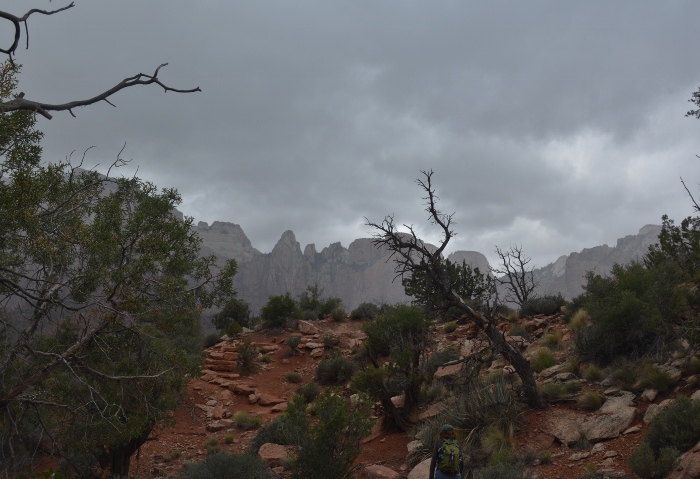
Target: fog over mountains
[[361, 272]]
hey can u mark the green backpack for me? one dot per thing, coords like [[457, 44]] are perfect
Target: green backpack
[[448, 457]]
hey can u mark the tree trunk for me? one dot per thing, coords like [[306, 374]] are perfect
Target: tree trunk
[[521, 365], [118, 459]]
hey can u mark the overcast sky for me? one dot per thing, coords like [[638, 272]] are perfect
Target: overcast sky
[[554, 125]]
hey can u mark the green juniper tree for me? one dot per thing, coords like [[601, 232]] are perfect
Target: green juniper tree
[[101, 286]]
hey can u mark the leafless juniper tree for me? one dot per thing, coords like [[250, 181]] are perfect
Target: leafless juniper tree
[[412, 255], [515, 274]]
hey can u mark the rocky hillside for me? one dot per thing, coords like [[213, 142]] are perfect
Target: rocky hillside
[[574, 437], [362, 272]]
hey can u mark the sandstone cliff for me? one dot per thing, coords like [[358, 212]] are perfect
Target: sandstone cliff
[[362, 272], [358, 273], [567, 274]]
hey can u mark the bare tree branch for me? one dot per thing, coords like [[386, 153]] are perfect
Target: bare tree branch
[[515, 274], [23, 19], [21, 103], [692, 198]]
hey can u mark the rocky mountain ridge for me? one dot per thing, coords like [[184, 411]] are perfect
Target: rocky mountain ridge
[[361, 272]]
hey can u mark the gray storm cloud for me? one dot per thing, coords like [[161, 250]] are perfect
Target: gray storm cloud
[[555, 126]]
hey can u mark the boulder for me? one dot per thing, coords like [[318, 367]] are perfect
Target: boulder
[[564, 425], [608, 426], [550, 371], [218, 412], [275, 454], [654, 409], [243, 389], [421, 471], [216, 426], [689, 465], [614, 417], [450, 371], [376, 471], [265, 399], [316, 353], [306, 327], [281, 407], [413, 445], [561, 378]]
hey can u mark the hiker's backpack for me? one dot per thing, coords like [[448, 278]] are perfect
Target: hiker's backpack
[[448, 457]]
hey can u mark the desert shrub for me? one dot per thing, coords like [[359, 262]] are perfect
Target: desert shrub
[[212, 445], [542, 359], [173, 456], [326, 447], [265, 358], [245, 421], [548, 305], [495, 439], [571, 308], [309, 391], [694, 366], [309, 315], [337, 369], [294, 378], [227, 466], [338, 313], [330, 341], [625, 373], [591, 400], [558, 391], [402, 332], [655, 378], [211, 339], [647, 465], [234, 311], [293, 343], [277, 309], [573, 366], [544, 456], [592, 372], [627, 311], [247, 353], [430, 393], [478, 407], [517, 329], [438, 359], [450, 327], [365, 311], [677, 426], [233, 329], [275, 432], [228, 439], [552, 340], [507, 313], [579, 320]]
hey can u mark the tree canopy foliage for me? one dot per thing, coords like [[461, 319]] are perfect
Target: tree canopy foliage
[[101, 286], [642, 306]]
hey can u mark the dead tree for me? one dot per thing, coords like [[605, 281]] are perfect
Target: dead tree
[[22, 103], [515, 275], [412, 256]]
